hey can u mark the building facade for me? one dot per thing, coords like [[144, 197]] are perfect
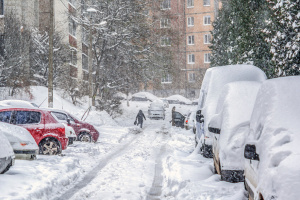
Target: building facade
[[192, 56]]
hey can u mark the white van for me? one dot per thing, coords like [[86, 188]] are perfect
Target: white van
[[272, 147], [214, 80], [228, 126], [156, 111]]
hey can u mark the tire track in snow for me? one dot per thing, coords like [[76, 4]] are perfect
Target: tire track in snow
[[93, 173], [156, 189]]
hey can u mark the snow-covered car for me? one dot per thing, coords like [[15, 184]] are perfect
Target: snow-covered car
[[228, 126], [178, 99], [214, 80], [17, 104], [190, 121], [166, 103], [7, 156], [156, 110], [63, 118], [21, 140], [272, 146], [144, 96]]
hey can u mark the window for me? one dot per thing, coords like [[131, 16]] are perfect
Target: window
[[191, 40], [27, 117], [192, 77], [206, 2], [73, 56], [5, 116], [85, 62], [165, 23], [165, 41], [191, 59], [166, 78], [207, 58], [72, 27], [165, 4], [207, 38], [1, 7], [206, 20], [190, 3], [190, 21]]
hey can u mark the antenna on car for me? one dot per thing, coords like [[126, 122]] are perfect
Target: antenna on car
[[43, 102], [87, 113]]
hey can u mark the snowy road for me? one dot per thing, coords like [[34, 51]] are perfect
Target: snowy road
[[127, 163]]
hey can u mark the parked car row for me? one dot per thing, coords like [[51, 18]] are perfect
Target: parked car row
[[249, 125], [30, 130]]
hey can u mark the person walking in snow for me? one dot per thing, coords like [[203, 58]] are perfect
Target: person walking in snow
[[139, 118], [173, 116]]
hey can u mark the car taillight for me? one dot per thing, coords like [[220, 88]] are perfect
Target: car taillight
[[23, 144], [61, 130], [186, 121]]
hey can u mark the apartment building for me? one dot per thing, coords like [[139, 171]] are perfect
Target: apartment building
[[193, 55]]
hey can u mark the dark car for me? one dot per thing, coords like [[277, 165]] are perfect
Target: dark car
[[178, 119], [85, 132], [47, 132]]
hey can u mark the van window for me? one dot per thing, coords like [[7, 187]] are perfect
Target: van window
[[5, 116], [27, 117]]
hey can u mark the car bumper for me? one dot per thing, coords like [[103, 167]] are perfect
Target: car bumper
[[26, 154], [64, 143], [71, 140]]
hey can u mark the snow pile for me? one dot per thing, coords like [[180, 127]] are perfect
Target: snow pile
[[17, 135], [219, 77], [274, 129], [179, 98], [234, 111]]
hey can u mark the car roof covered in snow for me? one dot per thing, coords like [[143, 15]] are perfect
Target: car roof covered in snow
[[275, 130], [219, 77], [179, 98], [147, 95], [16, 103]]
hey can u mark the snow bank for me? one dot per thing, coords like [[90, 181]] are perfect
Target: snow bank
[[16, 103], [274, 129], [147, 95]]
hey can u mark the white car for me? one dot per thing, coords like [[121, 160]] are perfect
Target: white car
[[156, 111], [166, 103], [22, 142], [7, 156], [228, 126], [214, 80], [63, 118], [272, 147], [190, 121]]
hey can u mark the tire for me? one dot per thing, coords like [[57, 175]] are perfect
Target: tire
[[85, 137], [7, 167], [49, 146]]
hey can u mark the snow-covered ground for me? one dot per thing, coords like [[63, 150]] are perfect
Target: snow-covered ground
[[155, 162]]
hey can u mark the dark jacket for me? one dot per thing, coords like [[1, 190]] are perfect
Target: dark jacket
[[140, 116]]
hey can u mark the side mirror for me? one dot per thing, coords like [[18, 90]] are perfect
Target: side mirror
[[214, 130], [250, 152], [69, 121], [198, 116]]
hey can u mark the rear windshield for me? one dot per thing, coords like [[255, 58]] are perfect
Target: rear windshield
[[27, 117], [5, 116]]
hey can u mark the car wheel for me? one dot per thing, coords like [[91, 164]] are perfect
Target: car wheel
[[49, 146], [7, 167], [85, 137]]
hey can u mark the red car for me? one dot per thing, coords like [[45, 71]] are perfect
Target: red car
[[47, 132], [85, 132]]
